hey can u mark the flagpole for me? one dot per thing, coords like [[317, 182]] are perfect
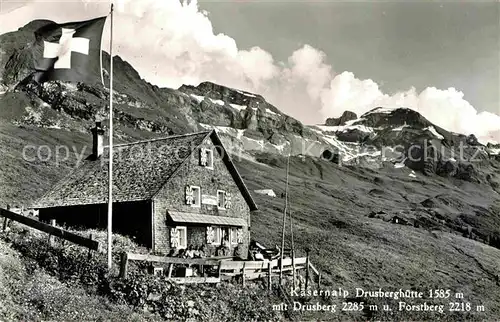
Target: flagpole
[[284, 221], [110, 170], [100, 63]]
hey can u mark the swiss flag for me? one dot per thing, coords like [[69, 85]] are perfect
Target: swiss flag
[[69, 51]]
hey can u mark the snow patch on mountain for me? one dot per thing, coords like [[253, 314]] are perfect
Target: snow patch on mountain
[[399, 128], [3, 89], [237, 133], [246, 94], [399, 165], [198, 98], [344, 128], [218, 102], [351, 122], [494, 151], [238, 107], [384, 110], [241, 143], [434, 132], [270, 112], [346, 150], [373, 154]]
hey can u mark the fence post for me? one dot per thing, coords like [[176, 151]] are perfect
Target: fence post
[[123, 265], [89, 254], [269, 276], [170, 268], [5, 221], [307, 268], [243, 273], [52, 223], [5, 224]]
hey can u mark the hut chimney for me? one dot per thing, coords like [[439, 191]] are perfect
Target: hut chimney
[[97, 140]]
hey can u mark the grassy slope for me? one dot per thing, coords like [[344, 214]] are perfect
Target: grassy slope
[[28, 293], [59, 282], [330, 207]]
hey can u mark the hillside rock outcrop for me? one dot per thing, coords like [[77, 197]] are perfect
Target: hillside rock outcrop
[[447, 168], [345, 117], [353, 135]]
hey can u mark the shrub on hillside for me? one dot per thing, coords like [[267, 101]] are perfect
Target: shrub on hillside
[[145, 293], [69, 263]]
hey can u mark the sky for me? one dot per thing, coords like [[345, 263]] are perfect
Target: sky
[[312, 59]]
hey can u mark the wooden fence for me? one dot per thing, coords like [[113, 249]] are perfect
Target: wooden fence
[[227, 268], [171, 261], [51, 230]]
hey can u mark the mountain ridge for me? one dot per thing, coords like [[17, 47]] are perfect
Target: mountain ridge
[[371, 216]]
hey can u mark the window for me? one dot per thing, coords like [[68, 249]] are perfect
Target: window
[[221, 199], [196, 196], [178, 237], [218, 234], [182, 236], [207, 158]]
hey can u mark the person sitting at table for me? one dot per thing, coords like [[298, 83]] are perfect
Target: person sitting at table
[[237, 253], [172, 252], [181, 253], [201, 251], [190, 252], [219, 251], [196, 252]]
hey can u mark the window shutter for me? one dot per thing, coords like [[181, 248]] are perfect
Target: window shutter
[[234, 235], [220, 199], [227, 200], [174, 237], [210, 235], [239, 235], [203, 157], [189, 196]]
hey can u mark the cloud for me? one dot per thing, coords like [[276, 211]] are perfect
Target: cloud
[[172, 43], [445, 108], [346, 92], [308, 65]]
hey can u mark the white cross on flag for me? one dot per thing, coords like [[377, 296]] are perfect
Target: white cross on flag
[[69, 51]]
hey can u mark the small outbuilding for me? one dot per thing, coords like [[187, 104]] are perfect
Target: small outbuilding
[[267, 192]]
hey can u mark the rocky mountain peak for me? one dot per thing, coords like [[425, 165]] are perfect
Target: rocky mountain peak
[[221, 93], [245, 120], [345, 117], [381, 116]]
